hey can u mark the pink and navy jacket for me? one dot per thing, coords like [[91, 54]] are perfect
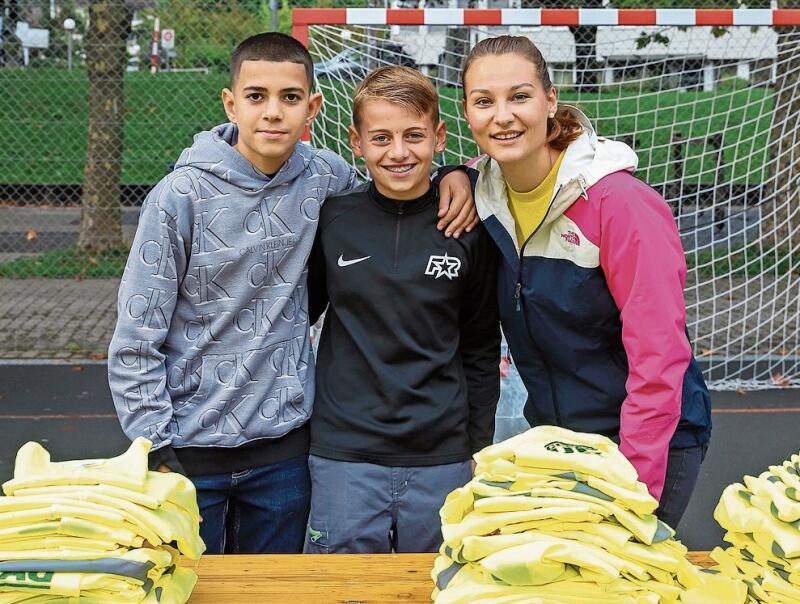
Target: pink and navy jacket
[[592, 307]]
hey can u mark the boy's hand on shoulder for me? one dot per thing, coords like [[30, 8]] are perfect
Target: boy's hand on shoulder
[[456, 205]]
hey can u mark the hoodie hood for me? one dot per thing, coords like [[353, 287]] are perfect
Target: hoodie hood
[[588, 159], [221, 298], [213, 151]]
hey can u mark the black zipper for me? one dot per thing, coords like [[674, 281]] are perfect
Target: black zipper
[[525, 243], [520, 308], [396, 266]]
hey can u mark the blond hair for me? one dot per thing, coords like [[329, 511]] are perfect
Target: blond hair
[[564, 127], [402, 86]]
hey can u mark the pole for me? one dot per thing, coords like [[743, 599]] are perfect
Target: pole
[[273, 7], [154, 49], [69, 51]]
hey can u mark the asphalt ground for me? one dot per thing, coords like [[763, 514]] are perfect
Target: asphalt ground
[[68, 409]]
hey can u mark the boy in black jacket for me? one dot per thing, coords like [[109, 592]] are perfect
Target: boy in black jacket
[[407, 367]]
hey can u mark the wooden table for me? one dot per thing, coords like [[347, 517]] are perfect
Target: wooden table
[[319, 579]]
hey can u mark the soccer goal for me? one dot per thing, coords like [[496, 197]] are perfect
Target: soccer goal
[[708, 99]]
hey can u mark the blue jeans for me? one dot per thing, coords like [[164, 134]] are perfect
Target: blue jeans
[[683, 467], [262, 510]]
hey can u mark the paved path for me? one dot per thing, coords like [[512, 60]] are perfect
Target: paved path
[[53, 318], [56, 318]]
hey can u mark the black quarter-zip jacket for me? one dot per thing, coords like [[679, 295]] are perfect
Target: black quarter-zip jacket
[[407, 365]]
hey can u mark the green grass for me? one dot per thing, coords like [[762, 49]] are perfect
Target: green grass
[[742, 116], [65, 264], [745, 261], [45, 119], [43, 124]]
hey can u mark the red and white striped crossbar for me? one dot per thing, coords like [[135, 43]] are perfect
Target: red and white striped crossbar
[[303, 17]]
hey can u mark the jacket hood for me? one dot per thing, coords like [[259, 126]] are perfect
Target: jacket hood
[[587, 159], [213, 151]]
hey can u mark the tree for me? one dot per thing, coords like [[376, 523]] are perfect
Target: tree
[[208, 42], [101, 225]]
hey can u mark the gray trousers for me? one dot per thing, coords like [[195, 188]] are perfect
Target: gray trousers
[[364, 508]]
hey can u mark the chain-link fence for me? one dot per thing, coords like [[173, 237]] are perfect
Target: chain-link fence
[[94, 113]]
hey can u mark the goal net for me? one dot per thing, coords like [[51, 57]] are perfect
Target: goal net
[[709, 101]]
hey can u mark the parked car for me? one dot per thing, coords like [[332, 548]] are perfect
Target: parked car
[[353, 63]]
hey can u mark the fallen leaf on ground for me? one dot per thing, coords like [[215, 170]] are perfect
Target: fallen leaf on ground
[[781, 380]]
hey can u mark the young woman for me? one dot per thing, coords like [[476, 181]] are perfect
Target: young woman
[[591, 286]]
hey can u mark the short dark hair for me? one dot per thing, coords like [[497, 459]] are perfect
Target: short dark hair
[[272, 46]]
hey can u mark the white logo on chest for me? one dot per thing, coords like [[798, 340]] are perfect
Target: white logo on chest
[[343, 262], [443, 266]]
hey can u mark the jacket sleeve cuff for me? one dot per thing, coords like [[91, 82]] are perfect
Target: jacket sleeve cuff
[[165, 456], [445, 170]]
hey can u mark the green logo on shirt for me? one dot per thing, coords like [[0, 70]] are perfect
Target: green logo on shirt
[[559, 447], [314, 534], [30, 580]]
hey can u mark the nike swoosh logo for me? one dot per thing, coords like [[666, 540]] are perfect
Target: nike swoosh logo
[[343, 262]]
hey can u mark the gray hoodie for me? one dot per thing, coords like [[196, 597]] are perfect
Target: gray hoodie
[[211, 347]]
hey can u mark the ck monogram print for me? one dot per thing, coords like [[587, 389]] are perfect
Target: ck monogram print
[[211, 346]]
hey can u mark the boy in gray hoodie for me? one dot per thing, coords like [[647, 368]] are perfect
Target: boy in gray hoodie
[[211, 357]]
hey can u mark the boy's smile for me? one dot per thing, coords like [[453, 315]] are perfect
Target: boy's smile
[[272, 105], [397, 146]]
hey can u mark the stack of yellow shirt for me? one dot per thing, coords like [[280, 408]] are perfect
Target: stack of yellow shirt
[[555, 516], [762, 517], [96, 531]]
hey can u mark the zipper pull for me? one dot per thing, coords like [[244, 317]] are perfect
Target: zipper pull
[[517, 291], [582, 185]]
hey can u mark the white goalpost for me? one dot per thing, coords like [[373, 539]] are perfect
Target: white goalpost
[[708, 98]]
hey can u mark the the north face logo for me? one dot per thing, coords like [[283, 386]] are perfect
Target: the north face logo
[[567, 448], [571, 237]]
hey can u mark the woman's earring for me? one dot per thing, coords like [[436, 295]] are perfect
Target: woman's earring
[[552, 115]]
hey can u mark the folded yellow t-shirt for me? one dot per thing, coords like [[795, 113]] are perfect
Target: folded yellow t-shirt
[[734, 513], [33, 468], [557, 448]]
